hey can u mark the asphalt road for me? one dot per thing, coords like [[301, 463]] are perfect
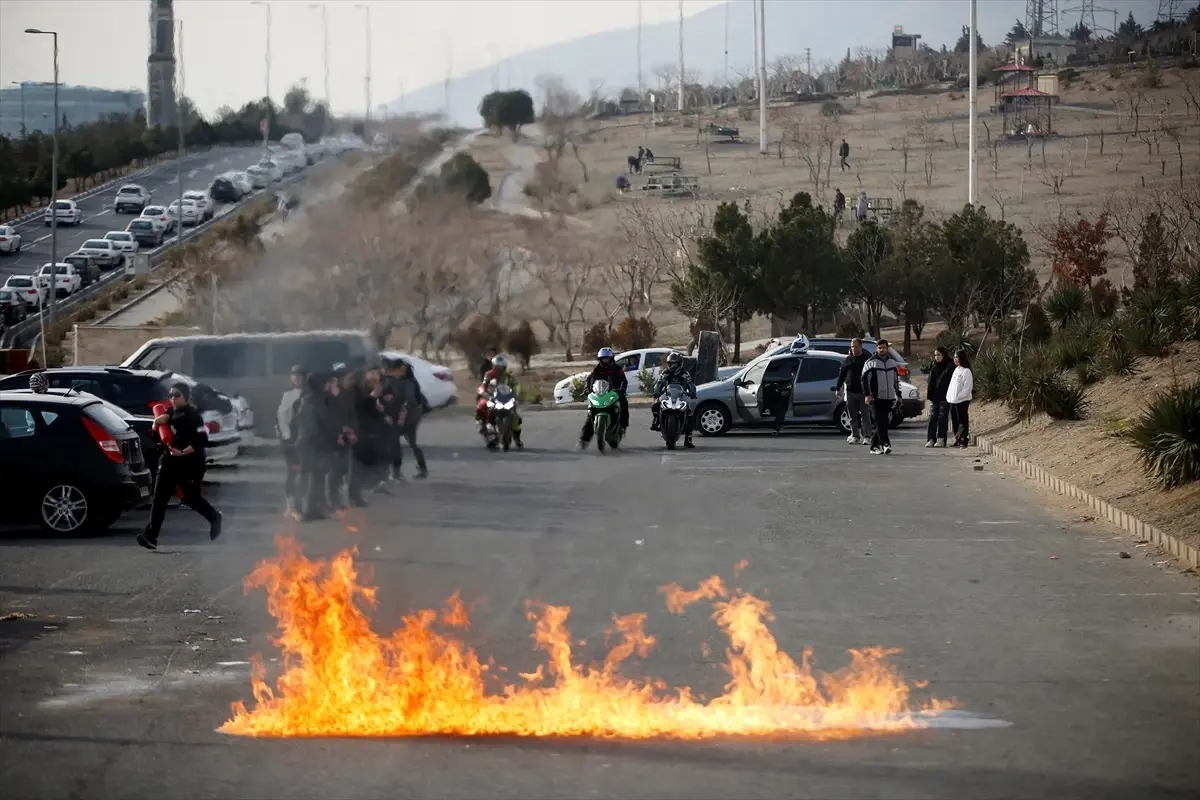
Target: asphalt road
[[115, 687], [199, 170]]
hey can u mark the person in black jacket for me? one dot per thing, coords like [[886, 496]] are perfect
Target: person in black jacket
[[404, 404], [311, 437], [371, 451], [181, 466], [607, 369], [486, 366], [343, 429], [939, 409], [850, 379]]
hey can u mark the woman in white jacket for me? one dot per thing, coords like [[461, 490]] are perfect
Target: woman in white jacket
[[958, 395]]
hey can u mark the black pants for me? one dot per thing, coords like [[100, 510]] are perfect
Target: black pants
[[314, 467], [337, 475], [371, 455], [188, 479], [291, 464], [408, 434], [939, 420], [960, 418], [776, 405], [883, 415], [845, 164]]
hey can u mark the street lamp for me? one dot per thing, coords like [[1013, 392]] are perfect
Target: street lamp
[[22, 85], [325, 27], [267, 96], [53, 197], [367, 81]]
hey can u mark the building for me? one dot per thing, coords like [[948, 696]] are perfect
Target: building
[[160, 66], [32, 104], [1054, 50], [904, 45]]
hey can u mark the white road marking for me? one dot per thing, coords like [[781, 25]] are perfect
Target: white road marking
[[102, 213], [44, 238]]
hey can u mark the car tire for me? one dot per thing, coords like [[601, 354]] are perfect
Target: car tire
[[712, 419], [69, 507], [841, 417]]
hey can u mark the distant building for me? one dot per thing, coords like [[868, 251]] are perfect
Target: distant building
[[78, 104], [1054, 49], [904, 45], [160, 66]]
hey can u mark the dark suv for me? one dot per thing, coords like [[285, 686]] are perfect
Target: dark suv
[[69, 463], [223, 191]]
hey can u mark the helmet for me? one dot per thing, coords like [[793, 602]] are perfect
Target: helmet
[[605, 353], [38, 382], [674, 362], [499, 363]]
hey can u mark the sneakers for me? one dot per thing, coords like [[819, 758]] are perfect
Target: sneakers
[[943, 444], [930, 443], [214, 527], [422, 474], [687, 443], [863, 440], [852, 439], [146, 542], [887, 449], [875, 451]]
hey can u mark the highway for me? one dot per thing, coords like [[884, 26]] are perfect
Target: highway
[[199, 170]]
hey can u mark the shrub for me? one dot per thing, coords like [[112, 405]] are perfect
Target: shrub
[[997, 375], [1066, 304], [634, 333], [595, 337], [578, 390], [1087, 372], [850, 329], [1037, 325], [1167, 436], [1068, 350], [522, 342], [1043, 390], [1104, 298], [1119, 361], [646, 381], [831, 108], [473, 339]]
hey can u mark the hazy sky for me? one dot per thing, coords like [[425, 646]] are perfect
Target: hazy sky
[[105, 42]]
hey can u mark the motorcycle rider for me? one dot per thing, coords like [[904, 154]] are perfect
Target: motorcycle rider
[[606, 369], [500, 374], [674, 374]]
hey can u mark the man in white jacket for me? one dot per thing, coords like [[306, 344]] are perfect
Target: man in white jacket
[[284, 418], [958, 396]]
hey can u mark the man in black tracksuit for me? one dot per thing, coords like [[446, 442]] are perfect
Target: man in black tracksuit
[[371, 451], [881, 381], [850, 378], [182, 466]]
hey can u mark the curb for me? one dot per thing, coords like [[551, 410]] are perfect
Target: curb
[[1126, 522], [131, 303]]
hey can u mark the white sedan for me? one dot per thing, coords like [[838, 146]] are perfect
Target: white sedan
[[123, 241], [163, 220], [202, 200], [192, 213], [10, 240], [632, 362], [436, 381], [28, 288]]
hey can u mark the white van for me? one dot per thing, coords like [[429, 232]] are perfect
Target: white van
[[256, 366]]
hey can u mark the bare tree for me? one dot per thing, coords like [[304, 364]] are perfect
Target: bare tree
[[809, 145], [563, 266]]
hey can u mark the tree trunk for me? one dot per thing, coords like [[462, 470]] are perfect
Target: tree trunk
[[737, 339], [907, 335]]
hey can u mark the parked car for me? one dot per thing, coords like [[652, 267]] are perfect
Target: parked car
[[10, 240], [146, 232], [28, 288], [436, 381], [190, 215], [735, 402], [242, 181], [272, 168], [66, 279], [221, 420], [132, 198], [650, 359], [89, 273], [259, 177], [104, 252], [203, 201], [69, 463], [161, 217], [223, 190], [65, 211], [245, 420], [829, 344], [124, 241], [13, 308]]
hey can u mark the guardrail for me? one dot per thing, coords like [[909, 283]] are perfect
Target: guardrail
[[23, 334]]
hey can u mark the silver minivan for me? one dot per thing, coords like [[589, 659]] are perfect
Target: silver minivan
[[256, 366]]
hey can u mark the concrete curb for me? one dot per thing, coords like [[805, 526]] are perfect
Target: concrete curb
[[1126, 522], [131, 303]]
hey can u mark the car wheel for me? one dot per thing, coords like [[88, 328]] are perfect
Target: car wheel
[[66, 508], [713, 419], [842, 417]]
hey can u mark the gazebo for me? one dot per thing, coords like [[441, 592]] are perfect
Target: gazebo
[[1012, 77], [1027, 112]]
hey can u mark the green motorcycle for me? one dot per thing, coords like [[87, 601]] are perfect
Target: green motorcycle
[[604, 406]]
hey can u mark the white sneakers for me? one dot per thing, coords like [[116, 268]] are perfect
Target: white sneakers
[[851, 439], [930, 443], [863, 440]]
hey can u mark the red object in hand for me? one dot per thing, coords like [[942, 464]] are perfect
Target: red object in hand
[[163, 431]]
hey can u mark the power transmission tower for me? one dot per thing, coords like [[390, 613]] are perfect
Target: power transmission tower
[[1087, 15], [1172, 10], [808, 67], [1041, 17]]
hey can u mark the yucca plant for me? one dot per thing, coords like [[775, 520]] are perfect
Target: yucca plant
[[1087, 372], [1070, 403], [1069, 349], [1066, 304], [1167, 436], [1043, 390], [1119, 361]]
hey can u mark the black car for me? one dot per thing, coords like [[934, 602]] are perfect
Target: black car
[[146, 234], [88, 270], [223, 191], [69, 463]]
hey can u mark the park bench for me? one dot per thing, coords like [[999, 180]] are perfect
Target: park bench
[[732, 134], [672, 185], [880, 208], [673, 163]]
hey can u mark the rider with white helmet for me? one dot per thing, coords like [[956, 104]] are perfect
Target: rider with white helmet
[[606, 369]]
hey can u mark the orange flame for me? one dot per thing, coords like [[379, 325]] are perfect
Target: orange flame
[[343, 679]]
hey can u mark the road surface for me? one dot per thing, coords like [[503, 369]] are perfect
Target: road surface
[[199, 170], [115, 687]]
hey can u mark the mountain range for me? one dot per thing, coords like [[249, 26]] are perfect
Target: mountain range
[[828, 28]]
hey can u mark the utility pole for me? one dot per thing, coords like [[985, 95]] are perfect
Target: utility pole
[[726, 78], [179, 88], [449, 68], [973, 93], [641, 88], [266, 121], [367, 76], [681, 76], [808, 67], [754, 6], [52, 294], [22, 85], [762, 77], [325, 30]]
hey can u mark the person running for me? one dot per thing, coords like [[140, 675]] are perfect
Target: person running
[[881, 383], [844, 155], [182, 467], [958, 395]]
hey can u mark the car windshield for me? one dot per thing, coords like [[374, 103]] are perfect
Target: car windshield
[[129, 190], [141, 226], [99, 244], [63, 205], [5, 296]]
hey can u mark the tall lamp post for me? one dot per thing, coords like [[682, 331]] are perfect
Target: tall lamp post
[[367, 79], [266, 123], [325, 29], [53, 196], [973, 105]]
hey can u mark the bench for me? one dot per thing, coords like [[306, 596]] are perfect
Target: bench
[[732, 134], [880, 207], [672, 185], [673, 163]]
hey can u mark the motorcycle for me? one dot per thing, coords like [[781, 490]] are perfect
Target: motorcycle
[[501, 404], [604, 405], [672, 413]]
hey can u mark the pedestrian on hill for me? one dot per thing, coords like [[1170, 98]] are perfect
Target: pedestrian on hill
[[839, 206], [181, 466], [284, 429], [850, 385], [958, 395], [881, 383], [939, 409], [844, 154]]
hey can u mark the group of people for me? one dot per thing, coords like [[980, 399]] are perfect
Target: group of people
[[342, 432]]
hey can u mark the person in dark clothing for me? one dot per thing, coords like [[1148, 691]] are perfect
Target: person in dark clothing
[[674, 373], [850, 379], [311, 428], [486, 366], [181, 466], [371, 452], [404, 404], [844, 154], [839, 205], [939, 409], [881, 382], [607, 369], [343, 426], [777, 396]]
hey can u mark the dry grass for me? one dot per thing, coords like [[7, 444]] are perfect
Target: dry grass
[[1094, 456]]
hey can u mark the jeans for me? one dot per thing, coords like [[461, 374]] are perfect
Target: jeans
[[961, 418], [883, 413], [188, 480], [409, 434], [939, 420], [860, 416]]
